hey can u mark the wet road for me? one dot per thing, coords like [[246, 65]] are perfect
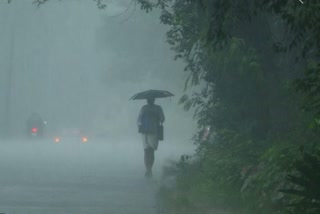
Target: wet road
[[96, 177]]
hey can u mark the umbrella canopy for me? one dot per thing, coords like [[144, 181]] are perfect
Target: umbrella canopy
[[151, 94]]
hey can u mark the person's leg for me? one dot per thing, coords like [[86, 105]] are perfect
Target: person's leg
[[150, 144], [152, 157], [145, 147], [148, 160]]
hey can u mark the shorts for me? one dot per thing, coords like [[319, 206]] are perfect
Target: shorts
[[150, 141]]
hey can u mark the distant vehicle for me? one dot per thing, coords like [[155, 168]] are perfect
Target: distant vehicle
[[35, 126], [70, 135]]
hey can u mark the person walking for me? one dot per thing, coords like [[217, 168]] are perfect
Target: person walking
[[150, 118]]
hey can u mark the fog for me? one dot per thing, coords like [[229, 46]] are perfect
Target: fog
[[74, 178], [77, 66]]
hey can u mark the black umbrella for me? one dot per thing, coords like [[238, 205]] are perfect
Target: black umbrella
[[151, 94]]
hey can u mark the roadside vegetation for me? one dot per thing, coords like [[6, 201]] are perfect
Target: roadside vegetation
[[258, 63]]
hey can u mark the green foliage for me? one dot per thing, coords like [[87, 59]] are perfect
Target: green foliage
[[232, 79], [230, 175], [305, 185], [202, 24], [249, 97], [310, 87], [253, 114]]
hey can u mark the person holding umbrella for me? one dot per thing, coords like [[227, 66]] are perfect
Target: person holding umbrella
[[150, 118]]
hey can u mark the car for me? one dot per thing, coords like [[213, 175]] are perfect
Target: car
[[70, 135]]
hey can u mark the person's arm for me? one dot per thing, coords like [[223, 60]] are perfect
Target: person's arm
[[161, 114], [139, 122]]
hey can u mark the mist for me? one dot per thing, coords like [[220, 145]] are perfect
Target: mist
[[71, 140], [78, 66]]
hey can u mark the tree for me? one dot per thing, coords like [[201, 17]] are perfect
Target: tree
[[248, 54], [218, 21]]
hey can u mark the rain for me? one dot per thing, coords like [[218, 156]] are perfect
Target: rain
[[76, 66], [159, 106]]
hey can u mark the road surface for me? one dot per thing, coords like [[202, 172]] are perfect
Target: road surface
[[97, 177]]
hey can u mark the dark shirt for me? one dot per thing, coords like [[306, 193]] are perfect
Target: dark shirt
[[151, 116]]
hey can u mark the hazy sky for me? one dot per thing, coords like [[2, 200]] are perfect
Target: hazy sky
[[77, 66]]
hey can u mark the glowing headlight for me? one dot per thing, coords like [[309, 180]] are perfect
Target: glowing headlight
[[84, 139]]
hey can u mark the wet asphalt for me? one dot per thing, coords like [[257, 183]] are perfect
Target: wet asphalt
[[43, 177]]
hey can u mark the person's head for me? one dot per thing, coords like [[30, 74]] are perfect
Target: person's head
[[150, 101]]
